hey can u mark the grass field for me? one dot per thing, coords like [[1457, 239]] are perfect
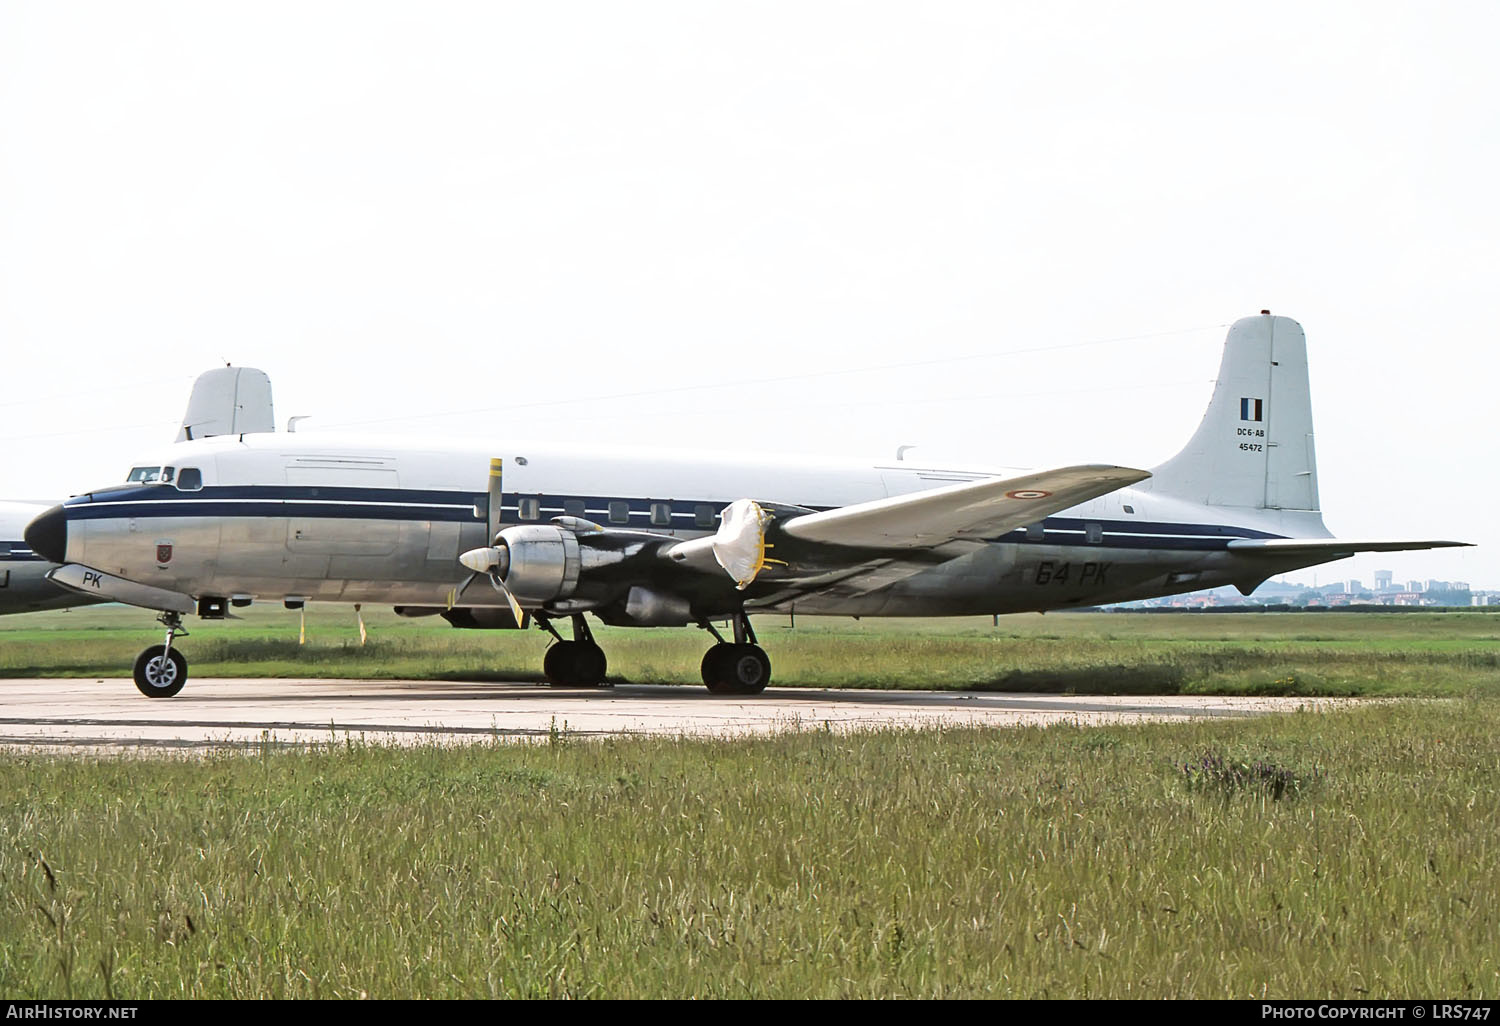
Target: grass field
[[1350, 855], [1083, 653]]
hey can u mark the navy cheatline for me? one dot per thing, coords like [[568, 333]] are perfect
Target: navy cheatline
[[307, 502]]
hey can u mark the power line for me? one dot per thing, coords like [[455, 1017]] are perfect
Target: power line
[[111, 429], [114, 387], [779, 379]]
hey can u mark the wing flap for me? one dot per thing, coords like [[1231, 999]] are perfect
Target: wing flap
[[969, 511]]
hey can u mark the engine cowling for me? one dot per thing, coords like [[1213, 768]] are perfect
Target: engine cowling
[[538, 563], [556, 567]]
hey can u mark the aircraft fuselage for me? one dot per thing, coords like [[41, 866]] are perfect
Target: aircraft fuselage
[[312, 517]]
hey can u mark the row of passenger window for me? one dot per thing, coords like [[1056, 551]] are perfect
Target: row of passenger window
[[705, 516], [1093, 533]]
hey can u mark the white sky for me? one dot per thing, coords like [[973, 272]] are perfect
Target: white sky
[[512, 210]]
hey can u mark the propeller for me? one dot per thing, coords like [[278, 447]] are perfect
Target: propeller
[[740, 543], [490, 561]]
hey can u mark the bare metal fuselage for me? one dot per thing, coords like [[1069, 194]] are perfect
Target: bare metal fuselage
[[316, 518]]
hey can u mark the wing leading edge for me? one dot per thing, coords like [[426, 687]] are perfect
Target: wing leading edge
[[969, 511]]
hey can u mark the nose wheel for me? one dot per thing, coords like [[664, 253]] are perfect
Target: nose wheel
[[161, 670]]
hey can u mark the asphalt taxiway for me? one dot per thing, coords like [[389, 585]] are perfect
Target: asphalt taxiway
[[110, 715]]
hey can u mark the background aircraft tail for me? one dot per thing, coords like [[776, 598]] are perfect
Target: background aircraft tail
[[228, 401], [1254, 448]]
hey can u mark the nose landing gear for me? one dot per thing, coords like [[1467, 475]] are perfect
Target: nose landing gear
[[161, 670]]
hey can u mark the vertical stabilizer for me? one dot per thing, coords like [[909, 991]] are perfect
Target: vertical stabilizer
[[228, 401], [1255, 445]]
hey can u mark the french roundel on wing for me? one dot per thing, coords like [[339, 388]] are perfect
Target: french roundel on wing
[[1027, 493]]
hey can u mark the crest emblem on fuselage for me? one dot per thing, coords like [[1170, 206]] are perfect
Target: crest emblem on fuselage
[[164, 552]]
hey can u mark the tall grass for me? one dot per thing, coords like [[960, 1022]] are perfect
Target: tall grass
[[1284, 654], [1020, 863]]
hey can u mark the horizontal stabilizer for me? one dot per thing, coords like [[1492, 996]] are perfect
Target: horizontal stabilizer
[[971, 510], [1330, 546]]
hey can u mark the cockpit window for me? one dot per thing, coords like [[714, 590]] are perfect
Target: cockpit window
[[190, 479], [166, 474], [144, 475]]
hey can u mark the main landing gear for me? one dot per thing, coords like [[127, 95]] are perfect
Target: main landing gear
[[161, 670], [579, 663], [741, 668]]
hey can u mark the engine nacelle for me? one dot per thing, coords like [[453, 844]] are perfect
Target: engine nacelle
[[538, 563], [485, 618], [648, 607]]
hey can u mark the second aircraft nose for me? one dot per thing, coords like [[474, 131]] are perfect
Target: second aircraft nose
[[48, 535]]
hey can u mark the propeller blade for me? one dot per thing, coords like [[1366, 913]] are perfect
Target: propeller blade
[[455, 593], [490, 560], [496, 496], [515, 607]]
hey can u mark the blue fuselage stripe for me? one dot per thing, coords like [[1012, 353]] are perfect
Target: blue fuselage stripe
[[18, 552], [420, 505]]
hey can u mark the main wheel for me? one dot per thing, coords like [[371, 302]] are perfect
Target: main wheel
[[736, 669], [577, 664], [715, 669], [156, 677], [592, 665]]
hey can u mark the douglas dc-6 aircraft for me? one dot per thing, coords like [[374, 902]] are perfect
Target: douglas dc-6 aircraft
[[678, 539], [226, 400]]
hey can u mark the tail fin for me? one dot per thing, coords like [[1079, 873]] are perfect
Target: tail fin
[[1255, 445], [228, 401]]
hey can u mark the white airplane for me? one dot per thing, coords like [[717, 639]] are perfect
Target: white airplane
[[640, 539], [225, 400]]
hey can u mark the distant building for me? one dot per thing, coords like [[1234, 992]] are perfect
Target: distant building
[[1383, 580]]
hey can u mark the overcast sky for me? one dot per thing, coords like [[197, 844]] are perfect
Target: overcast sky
[[1005, 233]]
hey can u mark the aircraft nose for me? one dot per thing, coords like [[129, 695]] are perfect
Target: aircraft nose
[[48, 535]]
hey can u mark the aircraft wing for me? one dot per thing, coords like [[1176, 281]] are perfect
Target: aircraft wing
[[1331, 547], [872, 544], [970, 511]]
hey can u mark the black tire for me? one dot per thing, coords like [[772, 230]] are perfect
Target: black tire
[[557, 664], [575, 664], [156, 679], [736, 669], [592, 666], [749, 670], [715, 669]]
